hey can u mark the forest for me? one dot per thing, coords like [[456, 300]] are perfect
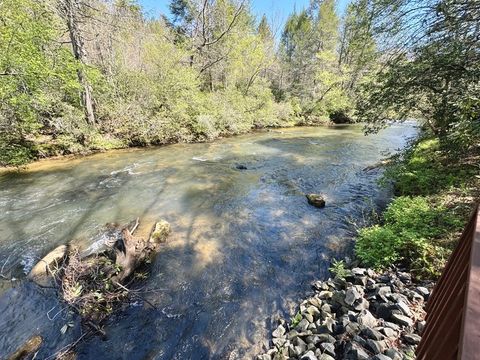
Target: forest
[[202, 251], [84, 75]]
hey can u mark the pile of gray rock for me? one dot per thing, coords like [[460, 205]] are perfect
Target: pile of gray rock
[[361, 315]]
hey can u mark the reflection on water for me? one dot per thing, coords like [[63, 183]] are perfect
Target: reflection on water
[[245, 243]]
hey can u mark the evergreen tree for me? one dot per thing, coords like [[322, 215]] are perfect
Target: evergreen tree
[[264, 31]]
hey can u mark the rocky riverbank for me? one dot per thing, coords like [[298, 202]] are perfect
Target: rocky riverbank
[[359, 314]]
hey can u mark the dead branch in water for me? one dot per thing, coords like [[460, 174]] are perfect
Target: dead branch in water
[[94, 286], [63, 352], [137, 222]]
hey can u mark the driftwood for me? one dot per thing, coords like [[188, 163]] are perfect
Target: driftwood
[[28, 349], [43, 271], [131, 251], [94, 284], [377, 165]]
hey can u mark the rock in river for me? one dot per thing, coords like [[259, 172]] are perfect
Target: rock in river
[[316, 200], [241, 167], [160, 232]]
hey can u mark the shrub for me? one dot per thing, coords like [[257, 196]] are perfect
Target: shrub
[[340, 117], [205, 127], [425, 170], [416, 216], [411, 226], [378, 246], [338, 269]]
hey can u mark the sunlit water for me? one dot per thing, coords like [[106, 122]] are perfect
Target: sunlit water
[[245, 244]]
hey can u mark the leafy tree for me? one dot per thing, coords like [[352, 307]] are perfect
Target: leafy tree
[[315, 75], [298, 54], [358, 49], [34, 74], [436, 74], [71, 11]]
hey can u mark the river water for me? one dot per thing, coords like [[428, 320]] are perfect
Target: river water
[[245, 245]]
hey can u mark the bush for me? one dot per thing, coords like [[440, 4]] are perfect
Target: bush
[[378, 246], [340, 117], [12, 154], [411, 226], [416, 216], [425, 170], [206, 126]]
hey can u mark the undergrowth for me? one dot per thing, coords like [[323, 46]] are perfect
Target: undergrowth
[[435, 195]]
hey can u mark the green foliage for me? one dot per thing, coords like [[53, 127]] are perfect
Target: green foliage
[[378, 246], [325, 59], [338, 268], [209, 71], [34, 74], [14, 154], [421, 226], [425, 170], [407, 236], [296, 319], [153, 81], [432, 74]]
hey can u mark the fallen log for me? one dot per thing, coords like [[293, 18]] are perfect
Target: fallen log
[[377, 165], [44, 270]]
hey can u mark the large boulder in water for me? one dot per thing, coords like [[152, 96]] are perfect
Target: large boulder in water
[[316, 200], [160, 232]]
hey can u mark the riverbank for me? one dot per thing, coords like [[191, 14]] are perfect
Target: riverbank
[[436, 188], [378, 312], [359, 314], [48, 149]]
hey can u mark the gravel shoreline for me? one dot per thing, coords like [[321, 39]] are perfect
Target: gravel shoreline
[[359, 315]]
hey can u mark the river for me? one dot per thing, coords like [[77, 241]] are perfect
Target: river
[[245, 245]]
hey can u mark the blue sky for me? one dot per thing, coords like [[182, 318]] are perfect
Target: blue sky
[[276, 10]]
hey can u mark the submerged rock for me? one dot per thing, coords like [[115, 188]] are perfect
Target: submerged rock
[[241, 167], [316, 200]]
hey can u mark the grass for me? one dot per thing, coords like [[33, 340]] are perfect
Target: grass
[[435, 194]]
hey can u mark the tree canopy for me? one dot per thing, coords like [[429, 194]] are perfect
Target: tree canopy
[[79, 75]]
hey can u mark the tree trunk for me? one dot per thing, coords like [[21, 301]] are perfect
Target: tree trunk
[[70, 11]]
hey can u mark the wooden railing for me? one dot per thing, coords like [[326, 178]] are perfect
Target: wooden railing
[[452, 330]]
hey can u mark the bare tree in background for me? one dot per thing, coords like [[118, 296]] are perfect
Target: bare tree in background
[[70, 11]]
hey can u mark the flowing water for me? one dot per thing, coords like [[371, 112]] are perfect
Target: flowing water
[[245, 244]]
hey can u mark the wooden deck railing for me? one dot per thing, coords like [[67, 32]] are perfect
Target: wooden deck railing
[[452, 330]]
